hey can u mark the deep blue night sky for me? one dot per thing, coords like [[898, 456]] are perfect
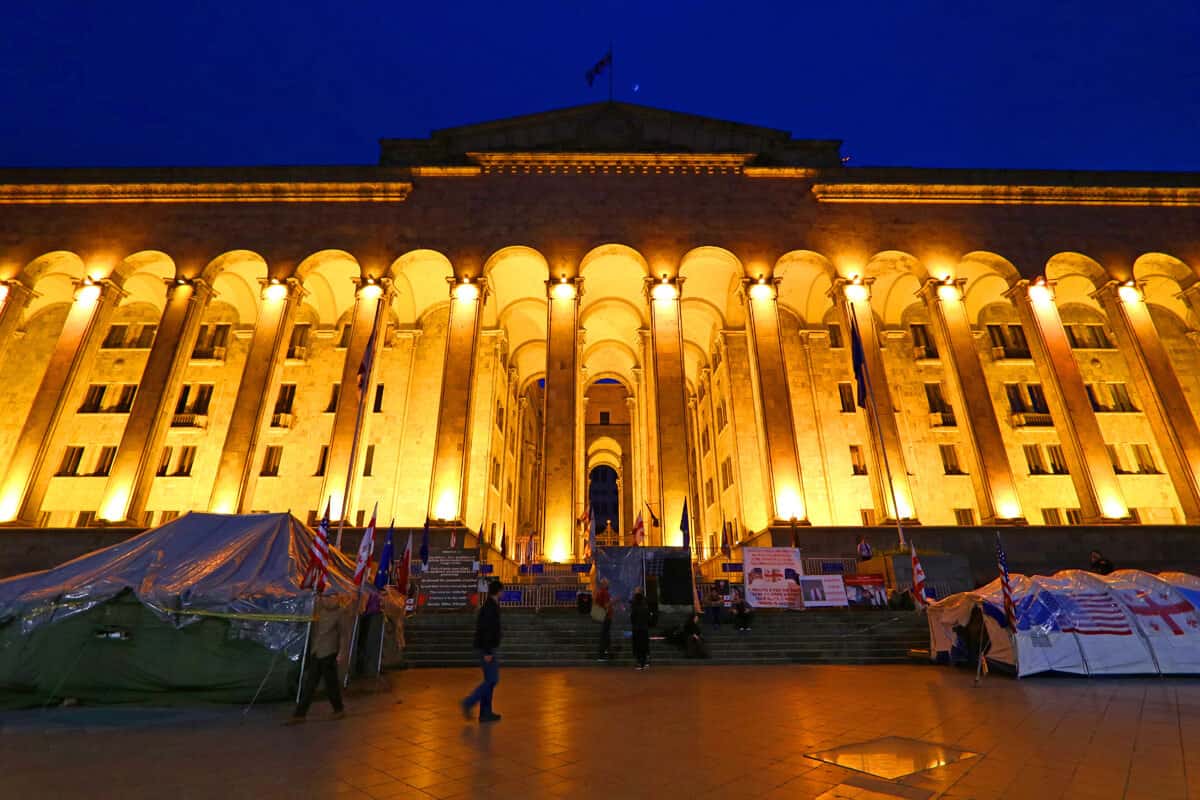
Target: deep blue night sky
[[1110, 85]]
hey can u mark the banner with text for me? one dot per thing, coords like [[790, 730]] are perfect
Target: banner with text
[[773, 577]]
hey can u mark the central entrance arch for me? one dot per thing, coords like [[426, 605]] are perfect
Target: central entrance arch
[[608, 445]]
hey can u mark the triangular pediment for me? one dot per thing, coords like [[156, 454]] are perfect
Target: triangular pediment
[[611, 128]]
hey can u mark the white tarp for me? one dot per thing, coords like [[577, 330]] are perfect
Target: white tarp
[[1129, 622]]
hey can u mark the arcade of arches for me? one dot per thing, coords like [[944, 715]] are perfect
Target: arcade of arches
[[635, 325]]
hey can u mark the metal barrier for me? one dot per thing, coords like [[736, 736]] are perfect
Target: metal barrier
[[542, 595], [830, 565]]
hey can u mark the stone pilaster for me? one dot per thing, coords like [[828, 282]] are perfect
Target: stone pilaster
[[1099, 493], [749, 456], [62, 387], [560, 438], [14, 297], [670, 420], [991, 473], [454, 420], [134, 467], [890, 486], [237, 472], [1158, 385]]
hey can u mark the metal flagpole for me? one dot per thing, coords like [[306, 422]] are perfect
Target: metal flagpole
[[887, 468], [304, 655]]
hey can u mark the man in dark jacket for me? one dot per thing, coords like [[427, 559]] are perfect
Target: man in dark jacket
[[487, 642], [639, 620]]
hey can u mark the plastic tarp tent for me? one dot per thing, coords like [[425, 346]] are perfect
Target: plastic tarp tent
[[1127, 623], [208, 605]]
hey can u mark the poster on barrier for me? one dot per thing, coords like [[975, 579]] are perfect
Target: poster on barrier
[[823, 591], [772, 577], [866, 590]]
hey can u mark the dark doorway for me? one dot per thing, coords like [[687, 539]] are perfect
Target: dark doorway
[[605, 498]]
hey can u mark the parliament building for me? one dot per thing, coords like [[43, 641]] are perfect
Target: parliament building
[[611, 306]]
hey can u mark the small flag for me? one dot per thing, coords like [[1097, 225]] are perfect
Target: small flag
[[318, 557], [918, 581], [858, 358], [1010, 611], [405, 569], [683, 526], [425, 546], [365, 548], [383, 571], [639, 531], [598, 68], [364, 366], [653, 519]]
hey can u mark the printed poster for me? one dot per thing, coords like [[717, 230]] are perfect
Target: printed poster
[[823, 591], [772, 577]]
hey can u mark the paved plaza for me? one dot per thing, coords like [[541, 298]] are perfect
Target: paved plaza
[[670, 733]]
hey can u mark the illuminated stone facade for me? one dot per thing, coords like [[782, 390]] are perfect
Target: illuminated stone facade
[[664, 295]]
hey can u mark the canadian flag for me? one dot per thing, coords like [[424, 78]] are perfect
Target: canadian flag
[[639, 531], [918, 582]]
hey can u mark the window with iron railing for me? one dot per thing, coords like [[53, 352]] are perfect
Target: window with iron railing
[[858, 461], [1088, 336], [212, 342], [1008, 341], [923, 344], [272, 455]]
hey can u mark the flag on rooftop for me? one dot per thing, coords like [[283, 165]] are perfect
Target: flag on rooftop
[[598, 68]]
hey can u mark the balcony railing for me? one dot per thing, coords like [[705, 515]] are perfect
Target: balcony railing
[[942, 419], [1011, 353], [1031, 419], [281, 420], [189, 420]]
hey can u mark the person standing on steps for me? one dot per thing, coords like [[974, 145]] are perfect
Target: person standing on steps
[[487, 643], [604, 601], [325, 644], [639, 619]]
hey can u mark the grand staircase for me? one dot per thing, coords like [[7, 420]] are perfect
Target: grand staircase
[[565, 638]]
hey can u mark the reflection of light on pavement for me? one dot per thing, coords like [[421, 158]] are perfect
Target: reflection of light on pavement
[[892, 757]]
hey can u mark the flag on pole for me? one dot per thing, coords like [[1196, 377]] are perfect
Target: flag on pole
[[504, 541], [404, 570], [683, 526], [425, 546], [383, 571], [639, 531], [453, 538], [1010, 611], [726, 549], [598, 68], [365, 547], [364, 366], [918, 581], [653, 519], [858, 358], [318, 557]]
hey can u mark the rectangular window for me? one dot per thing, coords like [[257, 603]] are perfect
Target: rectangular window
[[964, 516], [709, 495], [286, 398], [1033, 458], [500, 416], [211, 342], [360, 518], [115, 338], [705, 444], [1088, 337], [1074, 516], [1114, 455], [835, 335], [1058, 462], [322, 461], [950, 463], [1121, 401], [369, 461], [202, 399], [105, 461], [1037, 398], [923, 345], [1052, 516], [333, 398], [495, 473], [846, 397], [164, 462], [1094, 397], [344, 336], [1008, 341], [605, 417], [125, 401], [187, 457], [298, 344], [377, 407], [1144, 457], [508, 492], [93, 401], [858, 462], [726, 474], [69, 466], [145, 337], [85, 519], [938, 406], [181, 405], [868, 516], [272, 455], [720, 416], [167, 516], [1016, 400]]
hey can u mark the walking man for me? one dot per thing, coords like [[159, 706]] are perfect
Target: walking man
[[604, 600], [326, 641], [487, 643]]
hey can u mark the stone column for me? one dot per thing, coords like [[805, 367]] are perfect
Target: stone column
[[14, 297], [991, 473], [786, 485], [454, 421], [1162, 394], [696, 504], [749, 446], [237, 471], [634, 479], [133, 470], [559, 422], [61, 389], [670, 422], [478, 488], [1099, 493], [650, 475], [892, 497], [368, 316]]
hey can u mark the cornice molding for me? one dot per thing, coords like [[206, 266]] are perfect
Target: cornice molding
[[275, 192], [964, 194], [791, 173], [611, 163], [447, 172]]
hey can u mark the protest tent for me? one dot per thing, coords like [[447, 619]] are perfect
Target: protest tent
[[208, 606], [1127, 623]]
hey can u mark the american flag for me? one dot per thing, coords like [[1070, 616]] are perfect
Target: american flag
[[1010, 611], [918, 582], [318, 557], [1094, 614]]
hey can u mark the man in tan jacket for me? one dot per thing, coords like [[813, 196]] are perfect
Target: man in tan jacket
[[324, 646]]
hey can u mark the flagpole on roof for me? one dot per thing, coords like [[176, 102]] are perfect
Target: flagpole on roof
[[873, 409]]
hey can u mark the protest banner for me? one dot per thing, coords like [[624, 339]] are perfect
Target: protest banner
[[773, 577]]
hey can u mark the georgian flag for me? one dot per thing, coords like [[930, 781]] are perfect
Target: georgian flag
[[639, 531], [918, 581], [365, 548]]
